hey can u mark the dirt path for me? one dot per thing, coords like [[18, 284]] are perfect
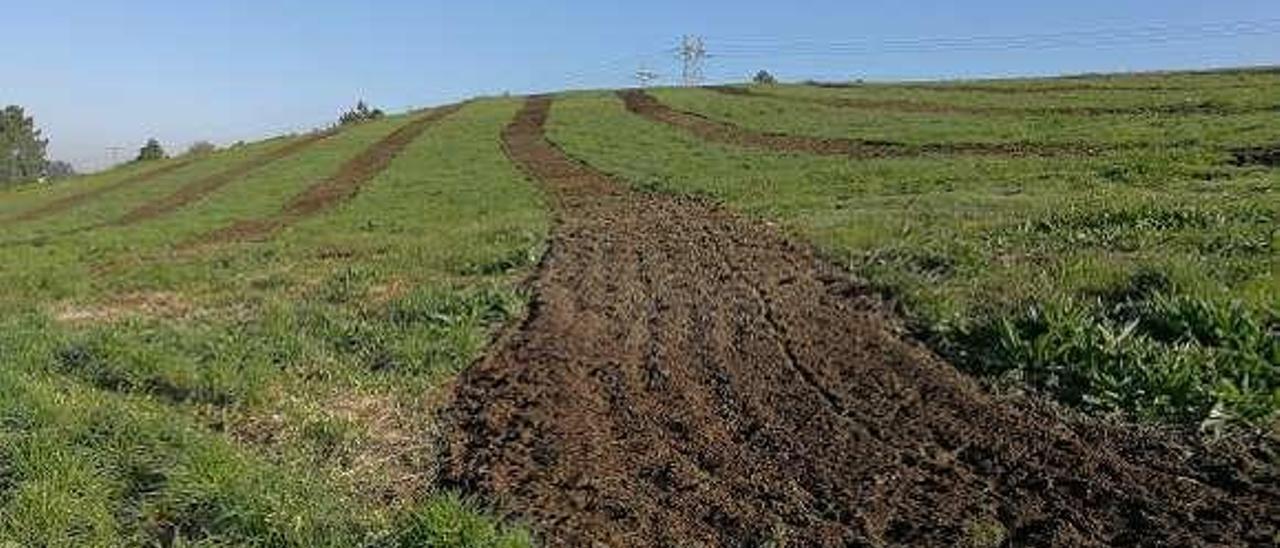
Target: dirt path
[[938, 108], [1011, 90], [200, 188], [687, 377], [68, 202], [337, 188], [643, 104]]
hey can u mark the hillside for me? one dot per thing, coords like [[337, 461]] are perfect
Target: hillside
[[1034, 312]]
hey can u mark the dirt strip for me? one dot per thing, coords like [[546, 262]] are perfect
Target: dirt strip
[[66, 203], [686, 377], [1009, 90], [898, 105], [198, 189], [643, 104], [337, 188]]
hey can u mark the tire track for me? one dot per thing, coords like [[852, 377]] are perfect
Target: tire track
[[69, 202], [917, 107], [687, 377], [200, 188], [339, 187], [645, 105]]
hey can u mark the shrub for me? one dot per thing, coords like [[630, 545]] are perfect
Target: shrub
[[763, 77], [151, 151], [200, 148], [361, 113]]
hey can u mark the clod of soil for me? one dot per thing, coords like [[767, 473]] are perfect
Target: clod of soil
[[1257, 156], [643, 104], [687, 377], [337, 188]]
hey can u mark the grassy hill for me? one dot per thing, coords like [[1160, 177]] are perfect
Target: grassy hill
[[1110, 241]]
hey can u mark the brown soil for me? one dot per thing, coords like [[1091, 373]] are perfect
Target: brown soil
[[198, 189], [1011, 90], [645, 105], [68, 202], [337, 188], [938, 108], [688, 378], [1257, 156]]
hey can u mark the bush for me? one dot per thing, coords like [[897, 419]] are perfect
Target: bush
[[763, 77], [59, 170], [151, 151], [200, 148], [361, 113]]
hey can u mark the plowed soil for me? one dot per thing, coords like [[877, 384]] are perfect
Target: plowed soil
[[68, 202], [200, 188], [716, 131], [687, 377], [1056, 88], [337, 188], [939, 108]]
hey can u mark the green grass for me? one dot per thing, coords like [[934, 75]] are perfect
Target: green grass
[[776, 115], [284, 393], [1142, 281], [279, 393]]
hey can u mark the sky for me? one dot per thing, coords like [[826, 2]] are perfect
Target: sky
[[103, 74]]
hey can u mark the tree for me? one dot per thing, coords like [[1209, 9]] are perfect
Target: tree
[[59, 170], [22, 151], [200, 148], [151, 151], [763, 77], [362, 113]]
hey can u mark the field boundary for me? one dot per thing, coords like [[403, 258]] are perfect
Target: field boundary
[[337, 188], [717, 131], [918, 107], [199, 189], [69, 202]]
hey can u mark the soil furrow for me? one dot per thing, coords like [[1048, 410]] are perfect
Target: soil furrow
[[688, 377], [68, 202], [643, 104], [335, 189], [1011, 90], [200, 188], [917, 107]]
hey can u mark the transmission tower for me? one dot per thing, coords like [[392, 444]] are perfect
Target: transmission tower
[[693, 54]]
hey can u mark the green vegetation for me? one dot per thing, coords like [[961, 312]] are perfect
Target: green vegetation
[[151, 151], [276, 393], [1142, 280], [283, 393], [22, 151]]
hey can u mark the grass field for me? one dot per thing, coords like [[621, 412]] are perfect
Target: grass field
[[284, 392], [277, 393]]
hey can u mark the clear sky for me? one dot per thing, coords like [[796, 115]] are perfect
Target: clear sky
[[98, 74]]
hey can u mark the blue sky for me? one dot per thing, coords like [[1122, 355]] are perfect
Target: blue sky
[[103, 74]]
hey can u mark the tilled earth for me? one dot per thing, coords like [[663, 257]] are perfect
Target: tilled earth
[[643, 104], [687, 377], [335, 189], [913, 106]]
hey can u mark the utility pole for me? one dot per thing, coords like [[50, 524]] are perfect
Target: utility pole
[[693, 55]]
